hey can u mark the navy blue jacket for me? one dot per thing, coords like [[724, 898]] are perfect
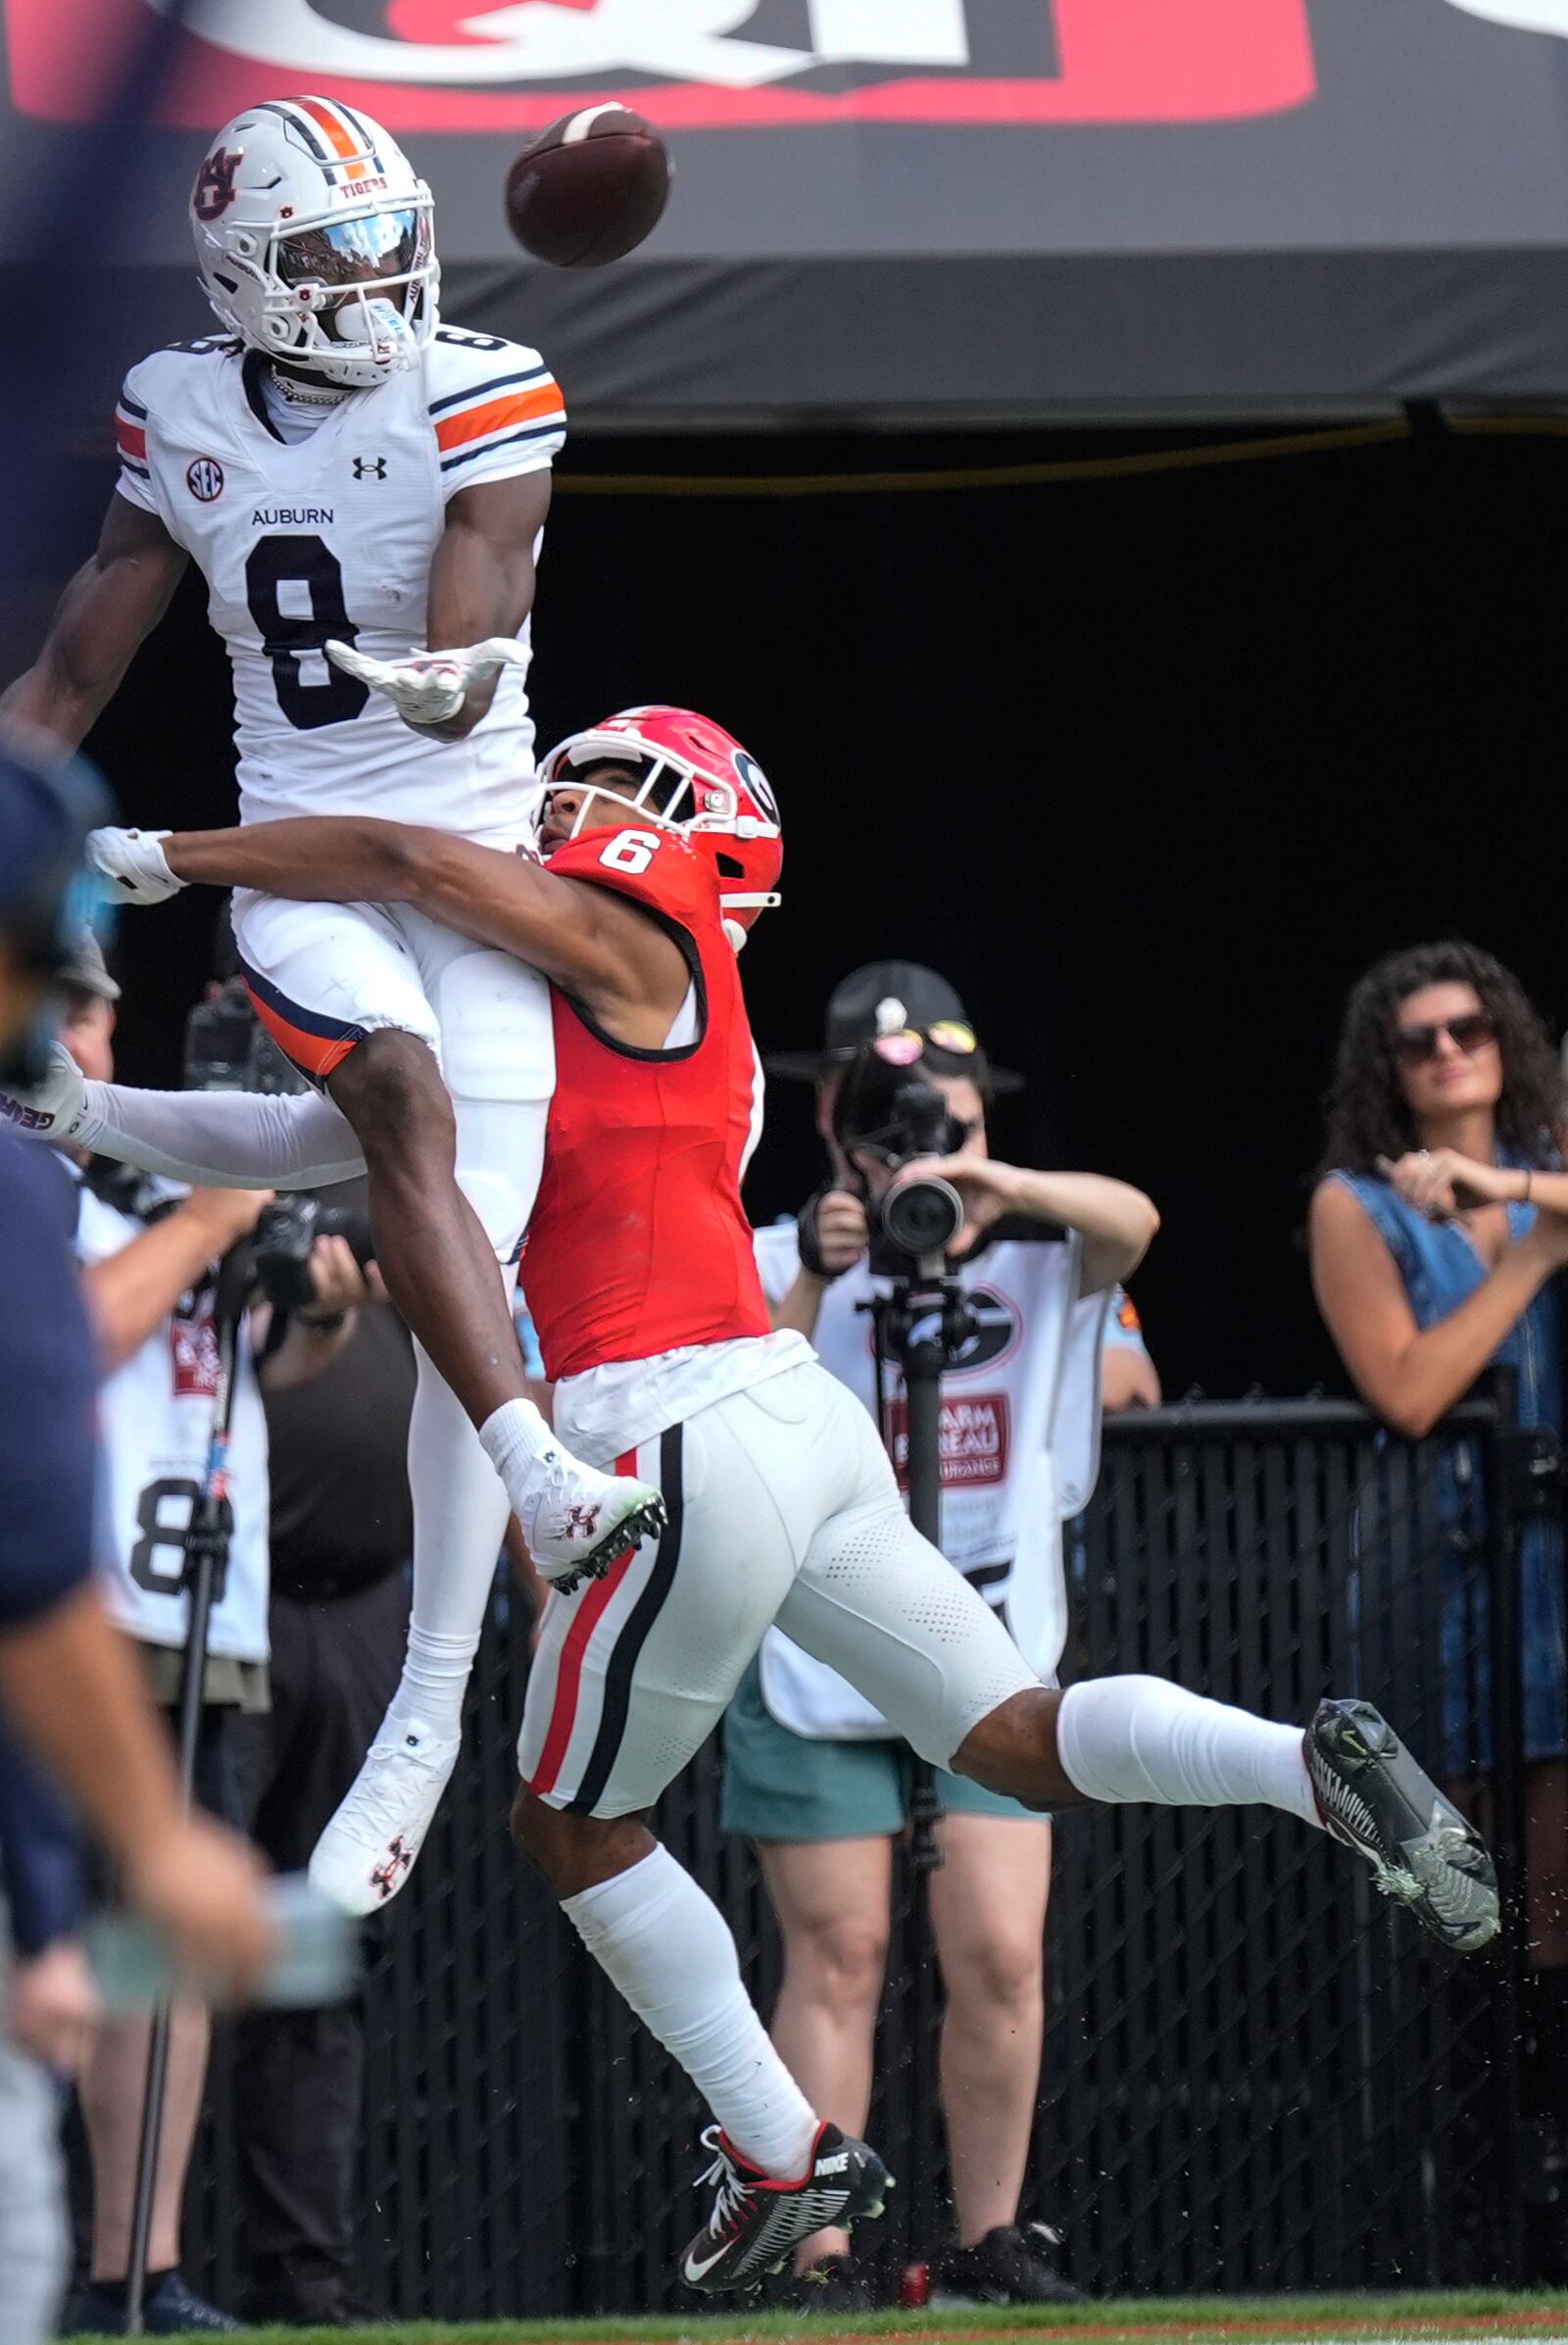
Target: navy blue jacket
[[47, 1443]]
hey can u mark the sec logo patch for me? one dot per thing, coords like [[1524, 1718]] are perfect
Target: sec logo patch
[[205, 480]]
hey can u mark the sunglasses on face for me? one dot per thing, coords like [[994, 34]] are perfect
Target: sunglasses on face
[[908, 1043], [1417, 1045]]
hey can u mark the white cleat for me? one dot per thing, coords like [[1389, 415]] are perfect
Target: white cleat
[[366, 1852], [577, 1522]]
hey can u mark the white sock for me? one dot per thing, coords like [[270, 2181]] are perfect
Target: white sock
[[668, 1948], [460, 1518], [1125, 1739], [513, 1435]]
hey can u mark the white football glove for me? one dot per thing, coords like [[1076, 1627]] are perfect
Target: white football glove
[[55, 1109], [131, 866], [429, 688]]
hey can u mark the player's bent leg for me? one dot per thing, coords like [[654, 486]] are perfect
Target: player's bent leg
[[440, 1268], [1131, 1738], [831, 1900], [369, 1848], [778, 2173], [879, 1604], [631, 1674], [437, 1262]]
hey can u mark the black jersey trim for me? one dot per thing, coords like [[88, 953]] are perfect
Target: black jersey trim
[[133, 407], [622, 1665], [501, 382], [693, 959]]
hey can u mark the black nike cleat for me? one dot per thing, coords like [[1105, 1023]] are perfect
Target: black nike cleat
[[756, 2222], [1372, 1795], [1014, 2264]]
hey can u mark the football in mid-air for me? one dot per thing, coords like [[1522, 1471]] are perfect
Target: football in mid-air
[[590, 188]]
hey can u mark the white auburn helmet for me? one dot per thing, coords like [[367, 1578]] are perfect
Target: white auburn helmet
[[315, 241], [714, 795]]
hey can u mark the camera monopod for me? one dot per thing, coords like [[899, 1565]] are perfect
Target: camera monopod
[[922, 1324], [206, 1546]]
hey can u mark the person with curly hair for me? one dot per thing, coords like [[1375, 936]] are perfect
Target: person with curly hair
[[1438, 1227]]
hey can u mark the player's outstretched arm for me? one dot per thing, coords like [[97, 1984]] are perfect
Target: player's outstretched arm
[[111, 604], [595, 946]]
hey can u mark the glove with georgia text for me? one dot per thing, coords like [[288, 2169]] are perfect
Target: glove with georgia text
[[57, 1108]]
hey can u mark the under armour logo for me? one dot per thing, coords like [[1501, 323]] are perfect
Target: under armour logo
[[584, 1519], [369, 468]]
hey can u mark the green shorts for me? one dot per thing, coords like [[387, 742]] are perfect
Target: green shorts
[[780, 1785]]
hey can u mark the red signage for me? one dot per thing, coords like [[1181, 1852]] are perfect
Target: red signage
[[688, 65], [973, 1440], [193, 1353]]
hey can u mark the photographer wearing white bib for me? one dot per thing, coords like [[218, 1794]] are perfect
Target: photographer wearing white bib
[[813, 1774], [148, 1254]]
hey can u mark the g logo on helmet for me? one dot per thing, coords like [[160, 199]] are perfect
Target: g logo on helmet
[[214, 183], [757, 782], [205, 480]]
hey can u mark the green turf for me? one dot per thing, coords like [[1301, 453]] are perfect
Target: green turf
[[1430, 2318]]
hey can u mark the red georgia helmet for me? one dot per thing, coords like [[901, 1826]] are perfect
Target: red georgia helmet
[[722, 804]]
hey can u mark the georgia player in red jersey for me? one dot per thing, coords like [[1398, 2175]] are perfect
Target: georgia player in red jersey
[[781, 1503]]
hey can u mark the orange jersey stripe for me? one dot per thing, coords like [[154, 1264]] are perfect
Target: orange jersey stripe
[[326, 120], [472, 422], [132, 437]]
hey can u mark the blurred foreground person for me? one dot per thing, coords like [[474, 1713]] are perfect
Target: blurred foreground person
[[1438, 1230], [67, 1683]]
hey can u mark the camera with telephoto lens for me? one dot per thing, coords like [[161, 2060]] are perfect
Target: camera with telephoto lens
[[228, 1048], [897, 1114], [282, 1243]]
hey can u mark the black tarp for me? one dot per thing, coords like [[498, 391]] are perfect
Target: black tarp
[[924, 207]]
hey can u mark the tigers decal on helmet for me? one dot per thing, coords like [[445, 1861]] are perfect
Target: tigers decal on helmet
[[710, 791]]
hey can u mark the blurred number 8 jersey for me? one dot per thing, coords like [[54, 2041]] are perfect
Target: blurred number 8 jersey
[[331, 535]]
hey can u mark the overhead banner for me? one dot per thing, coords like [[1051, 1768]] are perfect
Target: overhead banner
[[926, 207]]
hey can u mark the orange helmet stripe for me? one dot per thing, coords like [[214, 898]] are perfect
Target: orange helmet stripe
[[326, 118]]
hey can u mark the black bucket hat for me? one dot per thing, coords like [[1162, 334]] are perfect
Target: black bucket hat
[[883, 998]]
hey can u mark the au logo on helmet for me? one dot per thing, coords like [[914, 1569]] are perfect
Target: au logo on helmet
[[214, 182], [719, 64]]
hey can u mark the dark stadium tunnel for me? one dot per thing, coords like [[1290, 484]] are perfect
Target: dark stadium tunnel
[[1151, 766]]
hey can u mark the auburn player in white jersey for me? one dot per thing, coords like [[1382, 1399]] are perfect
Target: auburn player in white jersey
[[352, 478], [782, 1505]]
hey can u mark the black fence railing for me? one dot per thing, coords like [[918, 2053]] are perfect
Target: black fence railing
[[1258, 2075]]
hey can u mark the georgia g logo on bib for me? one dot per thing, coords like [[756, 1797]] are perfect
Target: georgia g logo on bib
[[691, 64]]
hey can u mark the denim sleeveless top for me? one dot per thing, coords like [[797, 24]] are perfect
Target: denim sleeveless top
[[1441, 1267]]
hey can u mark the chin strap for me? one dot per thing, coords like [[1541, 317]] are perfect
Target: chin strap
[[380, 327]]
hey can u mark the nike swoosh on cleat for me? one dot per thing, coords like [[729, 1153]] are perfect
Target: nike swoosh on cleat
[[696, 2271]]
